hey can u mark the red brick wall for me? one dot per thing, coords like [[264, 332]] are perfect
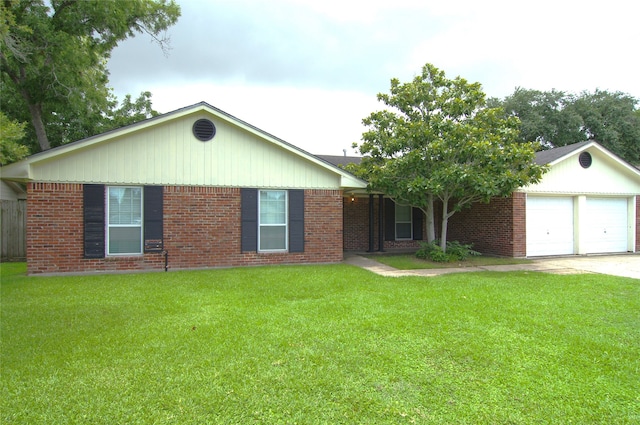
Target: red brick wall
[[323, 226], [497, 228], [54, 226], [519, 224], [201, 229], [356, 224]]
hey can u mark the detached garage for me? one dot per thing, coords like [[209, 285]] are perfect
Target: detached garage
[[585, 204]]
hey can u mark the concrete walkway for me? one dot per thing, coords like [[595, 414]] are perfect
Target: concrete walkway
[[626, 265]]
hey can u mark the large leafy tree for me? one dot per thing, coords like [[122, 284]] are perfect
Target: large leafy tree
[[53, 57], [436, 139], [546, 117], [557, 118], [613, 120], [11, 134]]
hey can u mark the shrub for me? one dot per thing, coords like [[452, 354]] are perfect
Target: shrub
[[431, 251], [460, 251], [455, 252]]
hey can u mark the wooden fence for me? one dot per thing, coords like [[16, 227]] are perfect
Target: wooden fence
[[13, 230]]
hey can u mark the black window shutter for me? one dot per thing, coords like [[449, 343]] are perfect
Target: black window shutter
[[296, 220], [389, 220], [93, 205], [249, 218], [153, 219], [417, 224]]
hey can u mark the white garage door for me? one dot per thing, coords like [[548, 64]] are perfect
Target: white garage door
[[549, 226], [607, 221]]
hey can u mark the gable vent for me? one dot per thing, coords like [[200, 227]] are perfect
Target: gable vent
[[585, 159], [204, 130]]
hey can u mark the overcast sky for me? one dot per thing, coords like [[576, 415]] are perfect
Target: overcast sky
[[308, 71]]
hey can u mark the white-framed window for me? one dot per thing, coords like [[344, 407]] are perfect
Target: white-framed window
[[272, 220], [404, 222], [124, 220]]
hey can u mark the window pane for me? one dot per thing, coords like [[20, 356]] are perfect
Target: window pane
[[403, 230], [273, 220], [403, 213], [403, 222], [125, 205], [273, 237], [125, 240], [124, 220], [273, 205]]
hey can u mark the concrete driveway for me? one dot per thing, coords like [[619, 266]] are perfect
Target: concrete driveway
[[625, 265]]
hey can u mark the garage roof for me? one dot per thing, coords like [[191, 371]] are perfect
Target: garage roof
[[551, 155]]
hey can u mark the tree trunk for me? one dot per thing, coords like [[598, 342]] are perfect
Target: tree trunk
[[38, 125], [430, 220], [35, 109], [445, 223]]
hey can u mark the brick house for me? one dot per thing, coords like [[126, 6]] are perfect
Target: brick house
[[199, 188], [194, 188], [588, 202]]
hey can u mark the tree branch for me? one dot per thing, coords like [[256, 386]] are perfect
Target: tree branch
[[5, 65], [65, 4]]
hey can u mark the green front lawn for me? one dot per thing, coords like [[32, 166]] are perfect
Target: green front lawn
[[319, 345], [411, 262]]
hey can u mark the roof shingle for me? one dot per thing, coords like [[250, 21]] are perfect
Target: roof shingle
[[548, 156]]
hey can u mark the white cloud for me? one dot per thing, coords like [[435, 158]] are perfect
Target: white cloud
[[316, 120], [309, 71]]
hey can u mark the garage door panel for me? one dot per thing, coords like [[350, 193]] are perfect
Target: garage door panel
[[550, 226], [607, 224]]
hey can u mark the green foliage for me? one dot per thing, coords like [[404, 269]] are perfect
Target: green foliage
[[432, 251], [436, 139], [557, 118], [455, 251], [53, 57], [461, 251], [546, 117], [612, 119], [318, 345], [130, 112], [11, 134]]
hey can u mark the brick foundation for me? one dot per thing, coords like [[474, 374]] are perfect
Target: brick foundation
[[201, 229]]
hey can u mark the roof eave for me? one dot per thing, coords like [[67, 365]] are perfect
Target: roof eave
[[18, 171], [349, 182]]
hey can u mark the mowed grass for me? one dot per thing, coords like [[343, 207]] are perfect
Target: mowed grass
[[411, 262], [319, 345]]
